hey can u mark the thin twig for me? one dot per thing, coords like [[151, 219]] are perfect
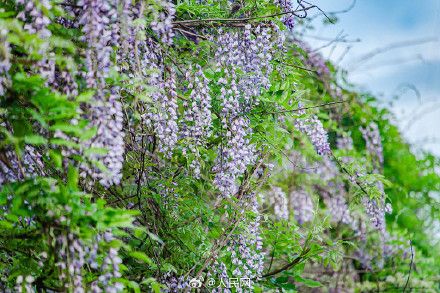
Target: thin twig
[[306, 108], [289, 265], [185, 32], [389, 47], [410, 266], [196, 22], [298, 67]]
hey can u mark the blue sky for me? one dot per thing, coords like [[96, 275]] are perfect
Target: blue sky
[[411, 71]]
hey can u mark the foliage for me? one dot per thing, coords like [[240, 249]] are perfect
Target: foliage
[[157, 146]]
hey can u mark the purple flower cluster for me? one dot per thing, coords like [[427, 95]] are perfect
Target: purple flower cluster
[[364, 258], [302, 205], [36, 20], [140, 59], [64, 81], [334, 193], [313, 59], [106, 115], [164, 120], [246, 249], [110, 266], [373, 141], [241, 52], [72, 257], [279, 201], [245, 63], [395, 246], [46, 67], [5, 63], [334, 199], [314, 129], [376, 210], [13, 169], [197, 119], [24, 285], [344, 143], [162, 23], [236, 153], [289, 18], [173, 283], [219, 272], [98, 20]]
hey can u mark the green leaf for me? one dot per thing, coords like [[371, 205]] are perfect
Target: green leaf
[[63, 142], [56, 158], [155, 286], [35, 139], [155, 237], [72, 178], [281, 279], [67, 127], [308, 282], [85, 96], [141, 256]]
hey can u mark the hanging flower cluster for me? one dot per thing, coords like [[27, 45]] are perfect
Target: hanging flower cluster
[[314, 59], [73, 254], [162, 23], [97, 20], [289, 18], [334, 194], [278, 199], [245, 64], [36, 20], [246, 249], [173, 283], [197, 115], [373, 141], [5, 63], [164, 121], [14, 169], [302, 205], [314, 129], [376, 208], [336, 204], [219, 272]]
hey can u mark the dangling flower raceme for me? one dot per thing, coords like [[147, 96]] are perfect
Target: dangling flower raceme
[[314, 129], [29, 165], [162, 23], [73, 255], [164, 119], [105, 114], [5, 63], [313, 59], [373, 140], [246, 248], [197, 121], [376, 208], [302, 205], [278, 199], [239, 52], [173, 283], [36, 21], [96, 20], [289, 18]]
